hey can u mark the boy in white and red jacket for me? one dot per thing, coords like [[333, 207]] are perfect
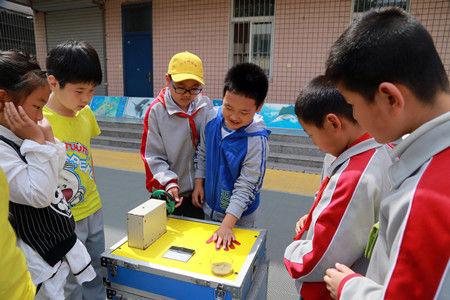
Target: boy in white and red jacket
[[171, 132], [401, 88], [346, 205]]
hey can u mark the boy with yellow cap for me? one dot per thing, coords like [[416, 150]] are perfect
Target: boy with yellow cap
[[171, 132]]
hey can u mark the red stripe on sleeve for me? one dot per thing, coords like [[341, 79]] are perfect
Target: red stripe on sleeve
[[150, 182], [328, 222], [425, 246]]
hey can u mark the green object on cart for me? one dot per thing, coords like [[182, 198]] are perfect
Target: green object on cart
[[163, 195]]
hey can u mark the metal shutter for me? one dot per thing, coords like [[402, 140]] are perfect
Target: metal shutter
[[78, 24]]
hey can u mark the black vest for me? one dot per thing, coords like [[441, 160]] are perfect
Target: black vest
[[50, 231]]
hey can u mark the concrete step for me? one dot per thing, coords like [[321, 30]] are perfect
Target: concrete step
[[117, 142], [299, 160], [294, 168], [287, 152], [121, 132], [294, 148]]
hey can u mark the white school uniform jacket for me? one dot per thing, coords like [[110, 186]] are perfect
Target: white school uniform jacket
[[343, 213], [169, 141], [411, 256]]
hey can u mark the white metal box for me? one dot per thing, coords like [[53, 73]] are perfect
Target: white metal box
[[146, 223]]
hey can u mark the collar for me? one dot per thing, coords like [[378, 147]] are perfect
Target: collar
[[421, 145], [362, 144]]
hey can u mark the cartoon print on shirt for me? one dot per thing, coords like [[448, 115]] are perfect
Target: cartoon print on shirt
[[70, 185]]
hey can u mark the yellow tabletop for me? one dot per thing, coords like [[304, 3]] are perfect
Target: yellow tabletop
[[193, 235]]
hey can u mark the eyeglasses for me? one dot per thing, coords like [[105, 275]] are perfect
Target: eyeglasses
[[181, 91]]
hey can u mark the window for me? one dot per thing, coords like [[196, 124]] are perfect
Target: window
[[252, 32], [360, 6]]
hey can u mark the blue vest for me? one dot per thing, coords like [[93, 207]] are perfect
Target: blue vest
[[224, 159]]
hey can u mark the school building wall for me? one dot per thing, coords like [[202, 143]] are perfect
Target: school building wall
[[304, 30]]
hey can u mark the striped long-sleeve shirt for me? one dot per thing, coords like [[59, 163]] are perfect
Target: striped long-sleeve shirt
[[344, 211]]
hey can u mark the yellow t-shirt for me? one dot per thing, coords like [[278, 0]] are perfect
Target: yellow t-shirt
[[15, 280], [77, 181]]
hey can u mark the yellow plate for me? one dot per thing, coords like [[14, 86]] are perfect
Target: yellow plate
[[193, 235]]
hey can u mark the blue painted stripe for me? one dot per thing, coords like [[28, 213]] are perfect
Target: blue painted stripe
[[161, 285]]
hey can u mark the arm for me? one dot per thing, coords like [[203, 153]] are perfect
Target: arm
[[154, 156], [34, 183], [250, 180], [339, 229]]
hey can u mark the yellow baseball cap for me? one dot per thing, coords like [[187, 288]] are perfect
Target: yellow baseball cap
[[186, 65]]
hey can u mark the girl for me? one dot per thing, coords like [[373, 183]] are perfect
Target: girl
[[32, 160]]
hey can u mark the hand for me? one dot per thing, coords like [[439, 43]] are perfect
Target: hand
[[21, 125], [300, 223], [224, 236], [46, 128], [174, 192], [333, 278], [198, 195]]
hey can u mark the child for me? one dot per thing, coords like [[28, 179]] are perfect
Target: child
[[401, 87], [32, 161], [347, 203], [172, 126], [74, 71], [15, 280], [231, 157]]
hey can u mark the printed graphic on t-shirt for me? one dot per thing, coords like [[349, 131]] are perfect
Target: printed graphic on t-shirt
[[78, 164]]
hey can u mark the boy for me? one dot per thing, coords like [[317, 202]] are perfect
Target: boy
[[400, 88], [73, 69], [346, 206], [231, 157], [171, 132]]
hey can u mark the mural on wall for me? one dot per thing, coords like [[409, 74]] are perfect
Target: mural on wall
[[108, 106], [280, 116], [136, 107]]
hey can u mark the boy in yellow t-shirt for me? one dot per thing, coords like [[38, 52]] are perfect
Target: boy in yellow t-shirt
[[15, 280], [74, 71]]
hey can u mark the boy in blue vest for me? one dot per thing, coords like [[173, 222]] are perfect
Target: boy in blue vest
[[231, 157]]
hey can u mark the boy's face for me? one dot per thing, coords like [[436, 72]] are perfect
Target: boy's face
[[183, 92], [326, 138], [238, 111], [376, 117], [73, 96], [35, 102]]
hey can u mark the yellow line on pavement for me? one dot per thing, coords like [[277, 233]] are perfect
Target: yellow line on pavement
[[275, 180]]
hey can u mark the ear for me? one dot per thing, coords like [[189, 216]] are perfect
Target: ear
[[392, 94], [168, 79], [332, 121], [53, 82]]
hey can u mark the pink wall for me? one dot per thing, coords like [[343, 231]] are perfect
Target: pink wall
[[198, 26], [435, 16], [40, 38], [304, 33], [304, 30]]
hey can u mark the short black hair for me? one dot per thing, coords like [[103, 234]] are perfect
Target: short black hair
[[20, 74], [247, 80], [387, 45], [74, 62], [319, 98]]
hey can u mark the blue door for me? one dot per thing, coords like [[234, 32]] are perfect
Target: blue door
[[137, 50]]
